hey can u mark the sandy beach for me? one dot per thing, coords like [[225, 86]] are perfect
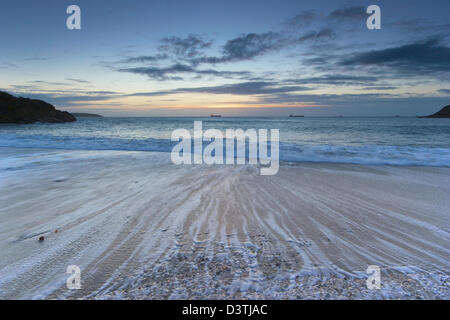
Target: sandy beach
[[140, 227]]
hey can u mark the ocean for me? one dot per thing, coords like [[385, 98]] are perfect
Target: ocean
[[391, 141]]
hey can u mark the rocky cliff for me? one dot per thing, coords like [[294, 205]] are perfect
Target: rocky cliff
[[443, 113], [23, 110]]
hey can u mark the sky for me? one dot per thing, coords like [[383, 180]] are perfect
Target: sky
[[235, 58]]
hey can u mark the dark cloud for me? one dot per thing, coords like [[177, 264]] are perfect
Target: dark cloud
[[426, 57], [322, 99], [445, 91], [243, 88], [110, 93], [419, 25], [349, 13], [145, 59], [21, 87], [155, 93], [49, 83], [337, 79], [8, 66], [379, 88], [249, 88], [53, 93], [188, 53], [164, 73], [276, 88], [246, 47], [324, 34], [64, 98], [172, 72], [301, 20], [77, 80], [251, 45], [37, 59], [188, 47]]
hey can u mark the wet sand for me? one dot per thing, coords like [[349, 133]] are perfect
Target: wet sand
[[140, 227]]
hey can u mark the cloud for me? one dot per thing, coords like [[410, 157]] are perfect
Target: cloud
[[38, 82], [188, 53], [246, 47], [243, 88], [324, 34], [172, 72], [243, 48], [145, 59], [445, 91], [249, 88], [109, 93], [77, 80], [251, 45], [349, 13], [64, 98], [420, 25], [303, 19], [337, 79], [322, 99], [8, 66], [379, 88], [37, 59], [188, 47], [426, 57], [185, 55], [277, 89]]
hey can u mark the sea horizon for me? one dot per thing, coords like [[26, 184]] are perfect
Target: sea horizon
[[361, 140]]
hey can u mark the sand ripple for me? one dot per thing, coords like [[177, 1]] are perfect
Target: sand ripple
[[140, 227]]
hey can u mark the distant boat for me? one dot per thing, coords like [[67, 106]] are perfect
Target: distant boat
[[296, 116], [216, 116]]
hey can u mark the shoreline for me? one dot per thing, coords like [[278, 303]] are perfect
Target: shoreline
[[140, 227], [18, 150]]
